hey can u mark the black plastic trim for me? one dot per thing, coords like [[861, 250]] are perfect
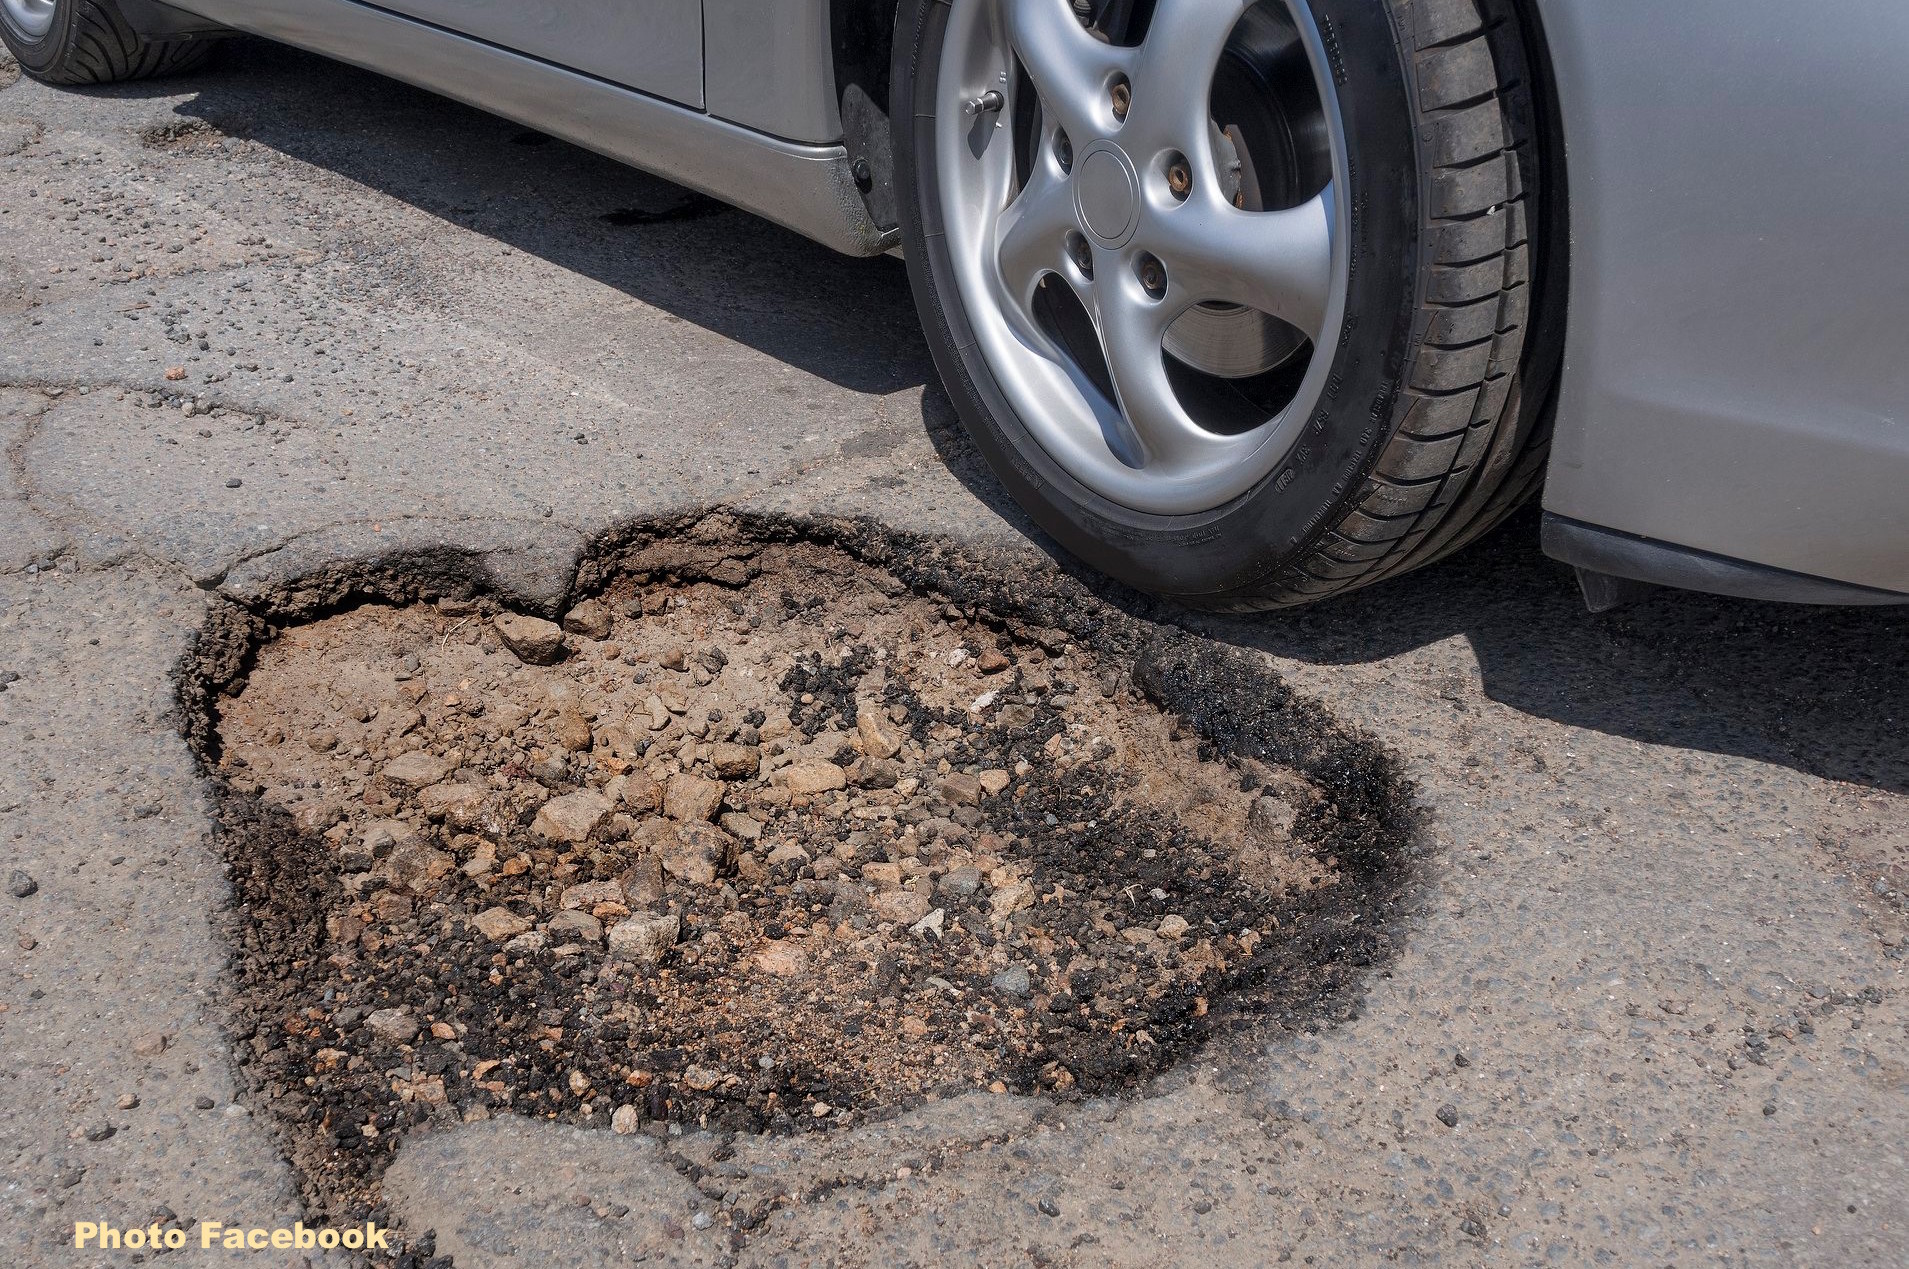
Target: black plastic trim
[[1618, 554], [152, 20]]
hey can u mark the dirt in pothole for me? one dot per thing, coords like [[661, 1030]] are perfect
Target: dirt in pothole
[[771, 850]]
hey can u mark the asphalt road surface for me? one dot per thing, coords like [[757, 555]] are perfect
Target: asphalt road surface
[[1650, 1010]]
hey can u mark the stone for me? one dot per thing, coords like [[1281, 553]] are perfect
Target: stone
[[880, 738], [576, 926], [903, 907], [1172, 926], [151, 1043], [625, 1120], [887, 876], [417, 769], [395, 1025], [690, 797], [21, 886], [573, 731], [617, 741], [695, 853], [1012, 981], [993, 781], [527, 943], [812, 776], [732, 761], [534, 640], [417, 867], [383, 836], [1010, 899], [591, 618], [782, 958], [1271, 820], [483, 859], [499, 924], [991, 662], [461, 805], [702, 1079], [961, 789], [640, 793], [643, 938], [747, 827], [961, 882], [643, 881], [788, 853], [930, 924], [572, 817], [587, 895], [1448, 1115]]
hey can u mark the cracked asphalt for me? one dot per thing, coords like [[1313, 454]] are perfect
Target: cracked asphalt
[[284, 315]]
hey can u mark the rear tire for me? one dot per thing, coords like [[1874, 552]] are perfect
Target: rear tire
[[1428, 428], [72, 42]]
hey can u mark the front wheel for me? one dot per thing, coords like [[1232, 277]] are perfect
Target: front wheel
[[89, 42], [1232, 295]]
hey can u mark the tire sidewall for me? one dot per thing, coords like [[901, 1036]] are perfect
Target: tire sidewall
[[38, 56], [1238, 545]]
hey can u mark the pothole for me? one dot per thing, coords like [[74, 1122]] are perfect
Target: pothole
[[180, 134], [762, 838]]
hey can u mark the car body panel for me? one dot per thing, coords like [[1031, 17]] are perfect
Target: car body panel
[[769, 67], [808, 188], [652, 45], [1736, 367]]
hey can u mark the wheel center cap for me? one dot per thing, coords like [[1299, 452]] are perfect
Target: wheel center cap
[[1107, 194]]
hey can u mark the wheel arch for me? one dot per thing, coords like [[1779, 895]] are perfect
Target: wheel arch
[[862, 41]]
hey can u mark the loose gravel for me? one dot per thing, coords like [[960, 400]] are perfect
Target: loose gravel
[[761, 840]]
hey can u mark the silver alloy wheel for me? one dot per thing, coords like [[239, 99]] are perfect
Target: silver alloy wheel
[[30, 18], [1123, 198]]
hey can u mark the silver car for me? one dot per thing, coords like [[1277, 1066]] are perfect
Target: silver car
[[1253, 303]]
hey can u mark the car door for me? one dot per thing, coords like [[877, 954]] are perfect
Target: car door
[[654, 46]]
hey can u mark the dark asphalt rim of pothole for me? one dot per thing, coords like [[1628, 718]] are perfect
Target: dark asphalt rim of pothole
[[1237, 705]]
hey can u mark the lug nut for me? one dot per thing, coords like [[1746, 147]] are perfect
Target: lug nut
[[1122, 98], [1179, 178], [1083, 255], [1153, 276], [1064, 152]]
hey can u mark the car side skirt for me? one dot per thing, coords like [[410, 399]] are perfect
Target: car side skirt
[[809, 188], [1612, 553]]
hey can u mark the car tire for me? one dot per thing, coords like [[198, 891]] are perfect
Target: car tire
[[73, 42], [1425, 426]]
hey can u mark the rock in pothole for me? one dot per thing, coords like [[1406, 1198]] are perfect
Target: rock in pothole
[[774, 852]]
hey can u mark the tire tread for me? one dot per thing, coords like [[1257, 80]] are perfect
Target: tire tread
[[1463, 454], [101, 47]]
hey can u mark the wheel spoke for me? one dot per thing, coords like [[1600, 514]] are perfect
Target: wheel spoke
[[1070, 68], [1279, 262], [1173, 73], [1132, 327], [1031, 238]]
